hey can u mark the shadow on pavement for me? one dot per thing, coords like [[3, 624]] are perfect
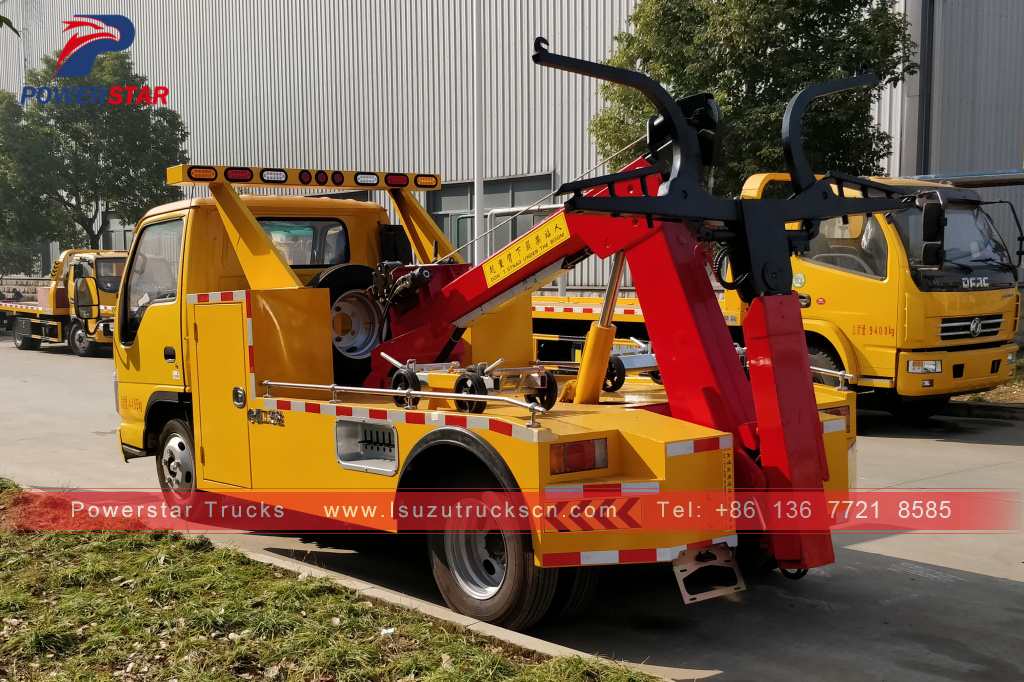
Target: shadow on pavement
[[869, 616], [950, 429]]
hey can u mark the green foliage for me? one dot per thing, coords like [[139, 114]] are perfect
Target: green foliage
[[753, 56], [58, 162], [161, 606]]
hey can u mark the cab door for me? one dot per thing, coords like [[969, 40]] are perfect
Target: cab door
[[148, 340], [219, 400]]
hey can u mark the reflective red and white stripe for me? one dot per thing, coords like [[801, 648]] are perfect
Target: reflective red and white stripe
[[628, 556], [596, 490], [29, 307], [689, 447], [426, 418], [833, 425], [583, 310], [107, 308], [242, 296]]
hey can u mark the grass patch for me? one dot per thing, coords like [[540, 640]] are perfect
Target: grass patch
[[134, 606]]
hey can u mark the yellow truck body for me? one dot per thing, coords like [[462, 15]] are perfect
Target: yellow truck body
[[53, 319], [218, 317], [866, 315]]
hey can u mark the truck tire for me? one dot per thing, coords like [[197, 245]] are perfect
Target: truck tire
[[351, 303], [79, 341], [488, 572], [824, 358], [576, 585], [176, 463], [23, 342]]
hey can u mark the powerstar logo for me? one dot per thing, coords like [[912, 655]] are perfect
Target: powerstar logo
[[92, 35]]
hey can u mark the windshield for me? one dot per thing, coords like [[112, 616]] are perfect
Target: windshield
[[308, 242], [108, 274], [976, 256]]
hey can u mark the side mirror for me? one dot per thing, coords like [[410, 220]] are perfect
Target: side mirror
[[933, 233], [87, 305]]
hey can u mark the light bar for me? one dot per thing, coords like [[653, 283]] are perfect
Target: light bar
[[300, 177]]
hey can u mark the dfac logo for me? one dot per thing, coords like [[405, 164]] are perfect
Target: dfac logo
[[115, 33]]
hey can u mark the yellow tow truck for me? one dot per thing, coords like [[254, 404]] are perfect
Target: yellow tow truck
[[882, 308], [56, 315], [305, 343]]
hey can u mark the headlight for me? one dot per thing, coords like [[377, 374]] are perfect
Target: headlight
[[1011, 358], [924, 366]]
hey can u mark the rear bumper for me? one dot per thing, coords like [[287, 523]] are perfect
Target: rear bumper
[[976, 373]]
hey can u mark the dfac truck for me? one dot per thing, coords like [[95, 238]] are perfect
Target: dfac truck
[[56, 315], [912, 318], [307, 343]]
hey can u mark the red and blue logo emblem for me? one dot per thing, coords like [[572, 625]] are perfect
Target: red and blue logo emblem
[[93, 35]]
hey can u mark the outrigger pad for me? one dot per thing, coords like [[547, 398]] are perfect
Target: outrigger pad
[[707, 572]]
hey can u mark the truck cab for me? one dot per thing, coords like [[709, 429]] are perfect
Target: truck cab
[[910, 324]]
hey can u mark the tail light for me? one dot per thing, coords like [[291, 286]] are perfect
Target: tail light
[[579, 455], [843, 412]]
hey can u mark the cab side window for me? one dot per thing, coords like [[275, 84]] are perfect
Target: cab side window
[[153, 274], [855, 245]]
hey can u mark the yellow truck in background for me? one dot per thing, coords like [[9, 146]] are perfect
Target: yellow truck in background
[[56, 315], [912, 318]]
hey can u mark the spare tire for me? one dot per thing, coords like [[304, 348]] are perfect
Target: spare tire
[[356, 320]]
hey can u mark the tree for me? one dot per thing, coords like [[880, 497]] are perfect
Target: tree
[[4, 21], [63, 162], [753, 56]]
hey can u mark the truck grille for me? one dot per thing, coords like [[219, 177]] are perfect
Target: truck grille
[[970, 327]]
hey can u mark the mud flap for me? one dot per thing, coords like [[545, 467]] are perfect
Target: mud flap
[[707, 572]]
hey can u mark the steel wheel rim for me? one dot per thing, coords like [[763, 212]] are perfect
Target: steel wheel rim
[[178, 466], [80, 339], [478, 559], [355, 324]]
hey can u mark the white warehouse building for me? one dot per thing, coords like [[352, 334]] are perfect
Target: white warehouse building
[[387, 85]]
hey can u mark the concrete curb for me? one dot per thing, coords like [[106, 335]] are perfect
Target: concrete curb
[[385, 597], [980, 410]]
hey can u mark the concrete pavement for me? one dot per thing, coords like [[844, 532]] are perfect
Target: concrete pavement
[[900, 607]]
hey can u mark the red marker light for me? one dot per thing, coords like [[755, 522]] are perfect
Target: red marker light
[[338, 178], [321, 177], [305, 177], [396, 179], [238, 174]]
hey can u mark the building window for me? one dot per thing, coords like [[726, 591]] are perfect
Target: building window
[[451, 207]]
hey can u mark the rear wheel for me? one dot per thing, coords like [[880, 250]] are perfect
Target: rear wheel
[[25, 342], [79, 341], [576, 585], [176, 463], [822, 357], [485, 570]]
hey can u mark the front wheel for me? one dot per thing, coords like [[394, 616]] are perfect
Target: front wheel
[[79, 341], [487, 572], [176, 463], [827, 359]]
